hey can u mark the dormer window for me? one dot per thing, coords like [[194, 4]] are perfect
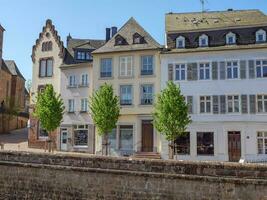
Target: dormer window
[[138, 39], [180, 42], [203, 41], [230, 38], [83, 55], [260, 36], [119, 40]]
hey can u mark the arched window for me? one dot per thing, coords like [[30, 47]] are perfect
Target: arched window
[[180, 42], [47, 46], [261, 36], [230, 38], [203, 40]]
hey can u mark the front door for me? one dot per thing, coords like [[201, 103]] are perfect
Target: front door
[[63, 139], [147, 136], [234, 146]]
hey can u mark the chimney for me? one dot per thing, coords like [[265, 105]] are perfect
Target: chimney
[[114, 30], [1, 43], [107, 34], [68, 39]]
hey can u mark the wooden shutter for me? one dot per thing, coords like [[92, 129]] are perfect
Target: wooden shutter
[[251, 68], [190, 104], [215, 104], [192, 71], [214, 70], [243, 69], [222, 70], [222, 104], [170, 72], [244, 103], [252, 103]]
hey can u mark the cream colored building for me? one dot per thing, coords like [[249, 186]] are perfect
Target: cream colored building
[[129, 61]]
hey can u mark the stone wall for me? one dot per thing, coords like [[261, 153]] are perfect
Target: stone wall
[[43, 176]]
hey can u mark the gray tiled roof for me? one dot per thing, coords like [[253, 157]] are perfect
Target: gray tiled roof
[[182, 22], [127, 31], [13, 69]]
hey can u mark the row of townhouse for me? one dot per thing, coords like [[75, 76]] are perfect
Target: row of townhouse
[[218, 59]]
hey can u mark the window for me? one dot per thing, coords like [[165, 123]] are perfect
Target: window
[[233, 104], [180, 42], [126, 137], [146, 94], [71, 105], [205, 143], [119, 40], [84, 81], [232, 70], [46, 68], [205, 104], [47, 46], [126, 66], [106, 68], [112, 138], [230, 38], [180, 72], [262, 142], [182, 144], [146, 65], [261, 36], [72, 81], [138, 39], [126, 95], [262, 103], [80, 135], [42, 132], [84, 105], [203, 41], [80, 55], [204, 71], [88, 56], [261, 68]]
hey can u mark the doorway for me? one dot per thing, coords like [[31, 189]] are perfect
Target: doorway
[[63, 139], [147, 136], [234, 146]]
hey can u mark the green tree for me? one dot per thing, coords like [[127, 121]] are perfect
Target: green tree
[[105, 111], [170, 114], [49, 110]]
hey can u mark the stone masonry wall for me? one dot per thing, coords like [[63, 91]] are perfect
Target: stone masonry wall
[[43, 176]]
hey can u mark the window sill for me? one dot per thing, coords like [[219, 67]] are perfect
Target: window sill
[[147, 76], [71, 112], [106, 78], [84, 86], [83, 112], [71, 87], [125, 77], [145, 105]]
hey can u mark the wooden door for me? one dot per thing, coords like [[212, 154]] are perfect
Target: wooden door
[[147, 136], [234, 146]]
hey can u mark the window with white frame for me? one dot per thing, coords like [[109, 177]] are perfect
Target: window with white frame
[[262, 142], [233, 104], [126, 66], [180, 42], [80, 135], [84, 80], [205, 104], [84, 105], [261, 36], [106, 68], [203, 41], [72, 81], [261, 68], [147, 65], [204, 71], [232, 69], [147, 94], [71, 105], [180, 72], [230, 38], [126, 95], [46, 67], [262, 103]]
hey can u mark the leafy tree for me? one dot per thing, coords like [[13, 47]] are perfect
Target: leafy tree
[[105, 110], [49, 110], [171, 114]]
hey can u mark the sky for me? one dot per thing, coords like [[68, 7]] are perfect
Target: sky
[[23, 19]]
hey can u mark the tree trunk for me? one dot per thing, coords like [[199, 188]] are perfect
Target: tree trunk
[[105, 145], [171, 149]]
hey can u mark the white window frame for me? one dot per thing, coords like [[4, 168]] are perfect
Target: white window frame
[[261, 66], [84, 105], [84, 80], [131, 94], [203, 37], [145, 66], [71, 105], [230, 35], [262, 135], [232, 67], [104, 66], [126, 66], [72, 81], [262, 98], [180, 67], [206, 100], [233, 101], [206, 66], [77, 128], [143, 95], [261, 32], [178, 40]]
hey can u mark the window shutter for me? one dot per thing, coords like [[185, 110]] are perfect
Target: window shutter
[[251, 68], [252, 103], [244, 103], [192, 71], [222, 70], [215, 103], [243, 69], [214, 70], [222, 104], [190, 104], [170, 72]]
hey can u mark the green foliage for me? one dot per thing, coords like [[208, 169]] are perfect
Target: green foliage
[[49, 109], [171, 112], [105, 109]]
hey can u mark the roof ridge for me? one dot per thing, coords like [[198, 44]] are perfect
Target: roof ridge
[[218, 11]]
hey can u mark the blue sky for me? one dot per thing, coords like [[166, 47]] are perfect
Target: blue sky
[[24, 19]]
